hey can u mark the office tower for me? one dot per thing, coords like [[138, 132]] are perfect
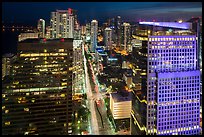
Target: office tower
[[83, 30], [38, 100], [197, 28], [7, 60], [108, 38], [120, 107], [27, 35], [78, 73], [173, 45], [139, 79], [94, 35], [62, 24], [112, 26], [88, 32], [41, 28], [125, 36], [118, 31], [173, 85]]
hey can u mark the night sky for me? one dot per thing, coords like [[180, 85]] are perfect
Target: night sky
[[30, 12]]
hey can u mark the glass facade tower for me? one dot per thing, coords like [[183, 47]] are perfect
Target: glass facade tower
[[173, 86], [38, 98], [94, 35]]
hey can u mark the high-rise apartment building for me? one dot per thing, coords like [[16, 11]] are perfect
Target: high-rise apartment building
[[94, 35], [88, 32], [62, 24], [41, 28], [126, 36], [38, 100], [173, 85], [118, 30], [108, 38]]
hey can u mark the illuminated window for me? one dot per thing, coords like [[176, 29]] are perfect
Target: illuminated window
[[61, 50], [64, 84], [7, 123], [6, 111], [62, 95], [36, 93], [26, 109]]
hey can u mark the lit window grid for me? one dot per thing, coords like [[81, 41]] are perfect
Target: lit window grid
[[61, 25], [172, 38], [54, 63], [151, 98], [178, 103], [30, 87], [151, 82], [172, 56]]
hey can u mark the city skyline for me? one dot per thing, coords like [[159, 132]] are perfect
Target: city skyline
[[101, 11], [102, 68]]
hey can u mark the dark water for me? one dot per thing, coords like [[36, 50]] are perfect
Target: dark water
[[9, 41]]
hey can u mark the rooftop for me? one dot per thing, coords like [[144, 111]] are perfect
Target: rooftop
[[118, 97], [179, 25], [39, 40]]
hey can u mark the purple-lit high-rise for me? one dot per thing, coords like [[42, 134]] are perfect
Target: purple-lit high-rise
[[173, 86]]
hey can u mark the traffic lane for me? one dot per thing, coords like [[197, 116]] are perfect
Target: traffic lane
[[106, 123]]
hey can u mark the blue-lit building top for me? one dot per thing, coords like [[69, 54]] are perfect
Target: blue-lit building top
[[179, 25]]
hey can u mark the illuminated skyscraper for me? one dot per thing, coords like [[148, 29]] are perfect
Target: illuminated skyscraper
[[41, 28], [38, 100], [126, 37], [172, 98], [108, 38], [173, 85], [78, 75], [62, 24], [94, 34], [118, 31], [88, 32]]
